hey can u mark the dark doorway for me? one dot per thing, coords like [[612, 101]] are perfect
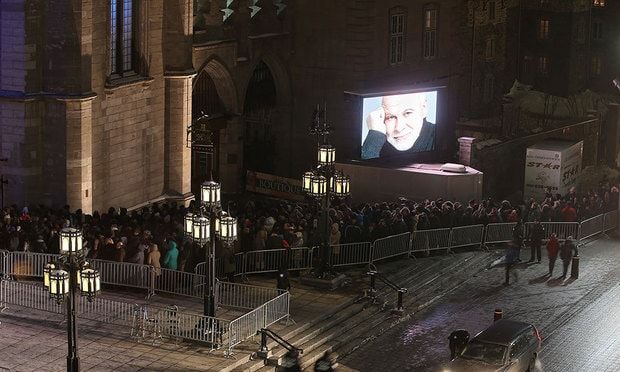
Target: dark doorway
[[259, 141], [205, 99]]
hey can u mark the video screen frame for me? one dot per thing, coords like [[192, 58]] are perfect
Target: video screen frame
[[409, 129]]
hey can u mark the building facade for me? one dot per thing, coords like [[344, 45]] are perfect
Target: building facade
[[569, 46], [271, 63], [95, 98]]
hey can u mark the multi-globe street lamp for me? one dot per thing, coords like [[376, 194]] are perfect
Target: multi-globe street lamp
[[62, 279], [323, 183], [207, 221]]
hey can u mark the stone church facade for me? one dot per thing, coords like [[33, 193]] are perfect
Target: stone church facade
[[95, 98]]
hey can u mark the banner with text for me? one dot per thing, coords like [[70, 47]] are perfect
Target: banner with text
[[269, 184]]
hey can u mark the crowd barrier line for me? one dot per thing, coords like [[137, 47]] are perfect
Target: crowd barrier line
[[191, 284]]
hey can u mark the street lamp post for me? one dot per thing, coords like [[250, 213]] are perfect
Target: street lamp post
[[62, 279], [324, 183], [203, 224]]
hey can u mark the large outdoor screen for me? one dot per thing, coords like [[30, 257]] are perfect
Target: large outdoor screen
[[398, 124]]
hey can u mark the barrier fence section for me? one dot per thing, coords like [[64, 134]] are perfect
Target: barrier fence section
[[249, 324], [4, 263], [591, 226], [610, 221], [179, 282], [499, 232], [29, 263], [430, 240], [169, 322], [243, 296], [391, 246], [561, 229], [351, 254], [122, 273], [464, 236]]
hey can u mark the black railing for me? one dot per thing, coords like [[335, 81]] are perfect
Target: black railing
[[374, 275], [264, 349]]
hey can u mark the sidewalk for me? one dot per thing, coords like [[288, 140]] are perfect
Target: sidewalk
[[32, 340]]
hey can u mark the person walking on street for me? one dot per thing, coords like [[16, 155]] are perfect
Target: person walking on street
[[553, 247], [517, 237], [512, 257], [537, 232], [566, 254], [457, 341]]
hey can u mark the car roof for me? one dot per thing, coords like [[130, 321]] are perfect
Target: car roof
[[503, 332]]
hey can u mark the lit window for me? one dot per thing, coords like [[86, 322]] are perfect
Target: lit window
[[598, 3], [122, 23], [397, 38], [491, 10], [489, 52], [596, 66], [430, 33], [543, 65], [543, 29], [597, 30]]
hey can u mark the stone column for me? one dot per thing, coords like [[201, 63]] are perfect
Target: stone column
[[466, 150], [178, 157], [79, 144]]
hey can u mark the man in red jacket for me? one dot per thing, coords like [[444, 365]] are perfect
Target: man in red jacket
[[569, 214], [553, 247]]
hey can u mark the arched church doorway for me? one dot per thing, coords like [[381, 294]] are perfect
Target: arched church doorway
[[259, 113], [206, 100]]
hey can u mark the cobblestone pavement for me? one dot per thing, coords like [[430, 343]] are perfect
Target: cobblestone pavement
[[420, 343], [590, 341]]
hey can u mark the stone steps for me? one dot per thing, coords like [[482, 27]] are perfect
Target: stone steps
[[352, 339], [344, 327]]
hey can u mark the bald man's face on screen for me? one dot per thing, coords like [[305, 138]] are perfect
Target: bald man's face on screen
[[404, 117]]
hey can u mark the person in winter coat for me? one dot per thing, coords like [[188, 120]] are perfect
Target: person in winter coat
[[153, 258], [512, 258], [553, 247], [172, 256], [537, 233], [566, 254]]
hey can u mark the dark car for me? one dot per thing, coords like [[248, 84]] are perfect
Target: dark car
[[507, 346]]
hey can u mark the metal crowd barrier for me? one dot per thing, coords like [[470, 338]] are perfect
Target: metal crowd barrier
[[430, 240], [391, 246], [249, 324], [610, 221], [243, 296], [122, 273], [164, 321], [351, 254], [464, 236], [180, 283], [28, 263], [591, 226], [561, 229], [499, 232]]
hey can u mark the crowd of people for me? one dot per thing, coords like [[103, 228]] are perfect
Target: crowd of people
[[154, 235]]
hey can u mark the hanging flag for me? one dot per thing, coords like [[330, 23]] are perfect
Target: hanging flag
[[279, 5], [254, 8]]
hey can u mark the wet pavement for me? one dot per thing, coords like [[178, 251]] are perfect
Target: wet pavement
[[561, 309]]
